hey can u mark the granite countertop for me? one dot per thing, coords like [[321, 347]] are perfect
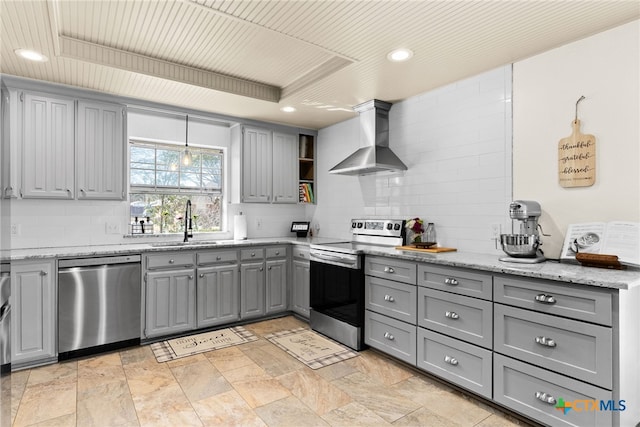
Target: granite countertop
[[549, 270]]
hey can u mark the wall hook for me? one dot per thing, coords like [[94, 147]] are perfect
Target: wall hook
[[577, 102]]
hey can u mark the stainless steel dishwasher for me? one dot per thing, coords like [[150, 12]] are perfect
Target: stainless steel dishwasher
[[98, 304]]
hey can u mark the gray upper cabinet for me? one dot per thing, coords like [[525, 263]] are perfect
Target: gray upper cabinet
[[257, 155], [101, 151], [33, 324], [285, 168], [48, 146], [265, 164]]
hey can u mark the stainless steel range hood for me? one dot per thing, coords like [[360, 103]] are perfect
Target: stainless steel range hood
[[374, 154]]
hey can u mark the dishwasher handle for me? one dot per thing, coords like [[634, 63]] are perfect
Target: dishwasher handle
[[82, 262]]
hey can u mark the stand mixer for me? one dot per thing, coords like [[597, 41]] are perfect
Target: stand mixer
[[523, 246]]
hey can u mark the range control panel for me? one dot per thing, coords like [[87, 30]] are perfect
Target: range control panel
[[378, 227]]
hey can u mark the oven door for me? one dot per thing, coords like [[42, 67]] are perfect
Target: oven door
[[337, 303]]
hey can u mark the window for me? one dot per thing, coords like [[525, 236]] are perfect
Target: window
[[160, 187]]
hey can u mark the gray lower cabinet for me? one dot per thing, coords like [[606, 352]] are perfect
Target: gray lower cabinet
[[536, 392], [252, 298], [217, 295], [170, 302], [34, 322], [276, 286], [390, 336], [301, 281]]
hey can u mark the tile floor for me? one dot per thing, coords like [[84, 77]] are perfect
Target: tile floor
[[253, 384]]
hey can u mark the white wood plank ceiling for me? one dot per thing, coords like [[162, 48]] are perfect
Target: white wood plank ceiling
[[248, 58]]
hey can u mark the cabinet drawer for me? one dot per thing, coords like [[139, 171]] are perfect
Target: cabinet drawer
[[390, 336], [301, 252], [277, 252], [392, 269], [581, 303], [393, 299], [465, 318], [535, 392], [456, 280], [170, 260], [461, 363], [251, 254], [578, 349], [217, 257]]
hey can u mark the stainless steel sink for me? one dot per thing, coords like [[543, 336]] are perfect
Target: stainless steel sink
[[181, 244]]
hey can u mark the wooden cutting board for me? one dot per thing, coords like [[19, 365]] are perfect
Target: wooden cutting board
[[428, 250], [577, 159]]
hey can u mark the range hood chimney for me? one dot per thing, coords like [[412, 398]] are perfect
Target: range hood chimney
[[374, 154]]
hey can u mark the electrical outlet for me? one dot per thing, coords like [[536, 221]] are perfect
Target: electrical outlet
[[495, 231], [112, 228], [15, 229]]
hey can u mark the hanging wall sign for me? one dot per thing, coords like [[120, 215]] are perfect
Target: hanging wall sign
[[577, 157]]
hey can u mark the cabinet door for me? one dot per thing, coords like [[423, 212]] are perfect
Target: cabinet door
[[170, 302], [100, 151], [12, 144], [300, 288], [217, 295], [276, 300], [252, 290], [48, 147], [285, 168], [256, 165], [33, 323]]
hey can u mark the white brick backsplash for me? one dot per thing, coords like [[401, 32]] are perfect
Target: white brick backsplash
[[456, 143]]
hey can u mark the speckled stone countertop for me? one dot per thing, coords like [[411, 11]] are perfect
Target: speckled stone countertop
[[550, 270]]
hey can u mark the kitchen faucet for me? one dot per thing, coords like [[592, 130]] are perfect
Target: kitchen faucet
[[188, 226]]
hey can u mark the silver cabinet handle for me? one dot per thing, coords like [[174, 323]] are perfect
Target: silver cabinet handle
[[43, 273], [546, 398], [191, 277], [269, 268], [452, 315], [253, 254], [218, 258], [545, 299], [261, 268], [201, 275], [8, 192], [451, 360], [450, 281], [277, 252], [389, 298], [171, 261], [388, 336], [389, 270], [547, 342]]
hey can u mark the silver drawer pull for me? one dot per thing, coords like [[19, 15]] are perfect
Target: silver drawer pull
[[545, 299], [190, 277], [43, 273], [201, 275], [171, 261], [451, 360], [450, 281], [389, 298], [389, 270], [452, 315], [253, 254], [277, 252], [218, 258], [388, 336], [547, 342], [546, 398]]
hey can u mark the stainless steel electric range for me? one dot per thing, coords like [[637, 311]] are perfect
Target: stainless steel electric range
[[337, 279]]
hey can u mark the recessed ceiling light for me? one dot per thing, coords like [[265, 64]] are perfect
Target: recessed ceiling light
[[288, 109], [31, 55], [399, 55]]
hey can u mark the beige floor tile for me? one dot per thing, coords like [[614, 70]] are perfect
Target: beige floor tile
[[18, 383], [228, 359], [168, 413], [110, 401], [337, 370], [255, 385], [46, 400], [56, 371], [276, 325], [62, 421], [501, 420], [289, 412], [100, 371], [137, 355], [226, 409], [381, 368], [273, 360], [424, 417], [354, 415], [314, 391], [200, 380], [385, 402], [186, 360]]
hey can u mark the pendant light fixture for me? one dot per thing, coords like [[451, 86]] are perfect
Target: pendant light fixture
[[185, 157]]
